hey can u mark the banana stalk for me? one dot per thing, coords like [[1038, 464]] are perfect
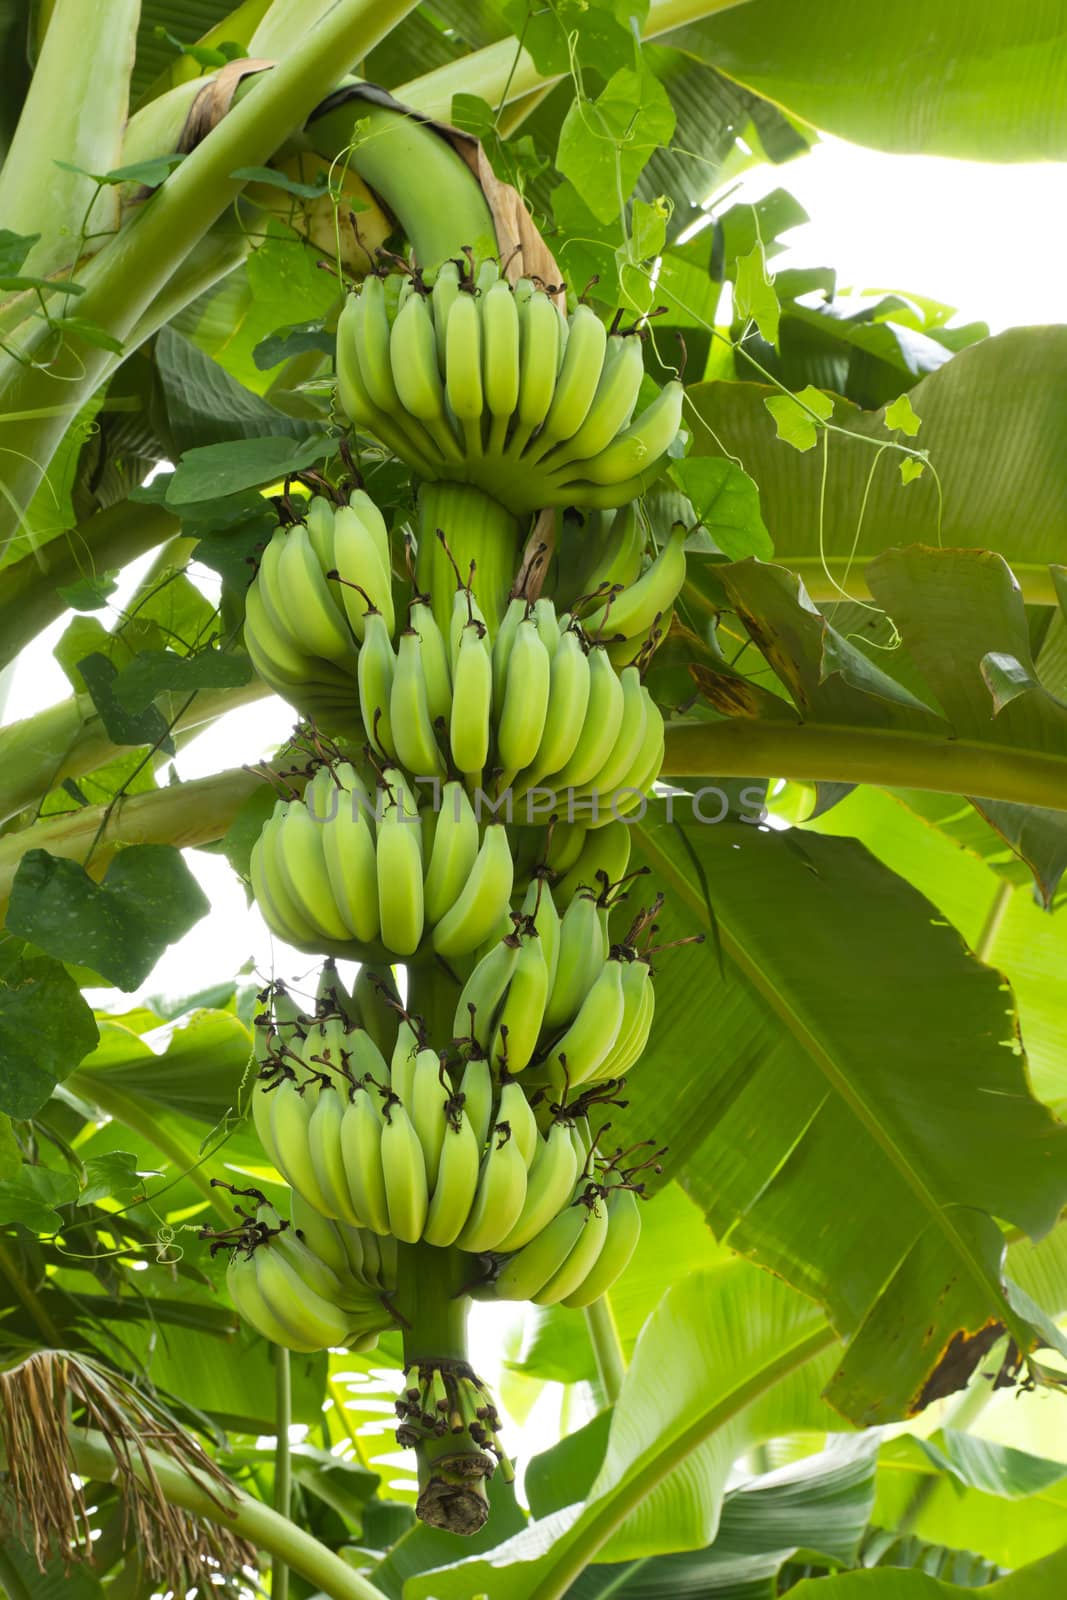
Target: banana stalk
[[476, 529], [453, 1467]]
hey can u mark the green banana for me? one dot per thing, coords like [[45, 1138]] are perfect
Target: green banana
[[476, 911], [298, 846], [603, 720], [581, 957], [361, 1133], [243, 1287], [429, 1105], [366, 584], [453, 854], [445, 289], [581, 1258], [538, 1261], [500, 353], [482, 995], [630, 741], [501, 1192], [568, 701], [409, 711], [577, 383], [636, 449], [413, 358], [351, 861], [327, 1160], [456, 1183], [399, 862], [549, 1188], [404, 1169], [538, 364], [435, 663], [377, 665], [525, 703], [477, 1088], [594, 1030], [612, 405], [290, 1116], [472, 703], [635, 610], [517, 1115], [524, 1006], [463, 369], [603, 861]]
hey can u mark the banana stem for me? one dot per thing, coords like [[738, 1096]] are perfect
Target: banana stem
[[31, 598], [283, 1481], [245, 1517], [475, 528], [453, 1468], [607, 1348], [182, 814]]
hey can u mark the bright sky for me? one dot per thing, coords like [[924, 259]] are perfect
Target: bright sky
[[987, 239]]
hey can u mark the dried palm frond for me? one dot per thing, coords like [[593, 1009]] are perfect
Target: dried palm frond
[[51, 1393]]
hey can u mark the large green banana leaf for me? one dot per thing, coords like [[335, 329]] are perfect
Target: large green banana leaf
[[940, 77], [1042, 1580], [973, 690], [850, 1110], [729, 1357], [993, 421]]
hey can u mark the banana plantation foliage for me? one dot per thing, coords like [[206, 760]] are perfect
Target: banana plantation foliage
[[636, 1166]]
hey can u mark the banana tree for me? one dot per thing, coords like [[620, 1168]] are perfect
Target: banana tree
[[391, 341]]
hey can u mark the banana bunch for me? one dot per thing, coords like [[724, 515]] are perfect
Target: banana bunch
[[342, 872], [411, 1147], [477, 382], [303, 628], [555, 998], [581, 1252], [309, 1284]]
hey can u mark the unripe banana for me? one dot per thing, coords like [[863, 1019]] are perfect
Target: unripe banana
[[413, 357], [327, 1159], [318, 519], [647, 763], [370, 331], [435, 663], [594, 1030], [315, 1322], [577, 383], [371, 517], [472, 704], [271, 893], [309, 1267], [516, 1113], [367, 582], [409, 711], [639, 1004], [377, 665], [405, 440], [488, 273], [565, 845], [429, 1102], [549, 624], [404, 1168], [525, 703], [581, 957], [581, 1258], [549, 1188], [243, 1287], [402, 1062], [399, 861], [500, 357], [463, 369], [302, 865], [465, 610], [505, 638], [274, 657], [290, 1116], [611, 408], [483, 993], [524, 1007], [604, 859], [456, 1184], [361, 1132], [454, 851], [351, 863], [501, 1193], [635, 450], [630, 741], [371, 995], [635, 610], [538, 1261], [445, 290], [319, 1234], [603, 720], [540, 904], [568, 701], [471, 919], [477, 1089], [539, 360], [619, 555]]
